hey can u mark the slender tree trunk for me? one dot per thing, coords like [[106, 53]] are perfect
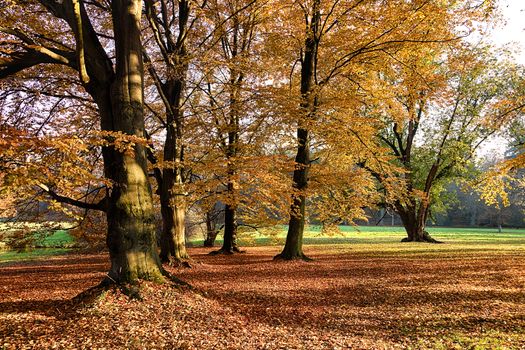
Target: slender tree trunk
[[211, 231], [131, 220], [173, 199], [293, 248], [171, 181], [229, 244]]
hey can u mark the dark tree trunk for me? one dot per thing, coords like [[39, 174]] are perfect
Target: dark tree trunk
[[293, 248], [130, 214], [414, 221], [209, 242], [211, 229], [229, 244], [171, 181], [173, 201]]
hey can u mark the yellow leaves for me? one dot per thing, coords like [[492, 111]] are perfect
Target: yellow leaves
[[495, 184], [493, 189], [124, 143], [34, 165]]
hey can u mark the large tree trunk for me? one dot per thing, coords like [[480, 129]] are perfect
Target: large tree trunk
[[414, 220], [118, 95], [131, 221]]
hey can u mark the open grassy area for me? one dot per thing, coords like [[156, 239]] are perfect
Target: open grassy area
[[364, 237], [45, 244], [378, 235]]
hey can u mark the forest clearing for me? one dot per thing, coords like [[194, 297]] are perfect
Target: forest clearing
[[465, 294], [226, 174]]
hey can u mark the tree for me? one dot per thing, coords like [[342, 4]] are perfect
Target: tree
[[236, 41], [439, 115], [117, 90], [501, 185], [235, 163], [170, 80]]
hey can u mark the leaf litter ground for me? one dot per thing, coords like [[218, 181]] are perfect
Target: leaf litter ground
[[348, 298]]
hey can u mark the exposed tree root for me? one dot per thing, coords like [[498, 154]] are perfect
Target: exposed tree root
[[177, 282], [426, 238], [290, 257], [90, 295], [132, 290], [234, 250], [178, 262]]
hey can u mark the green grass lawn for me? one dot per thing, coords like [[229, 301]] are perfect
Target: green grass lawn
[[38, 253], [59, 239], [365, 239], [60, 242], [381, 235]]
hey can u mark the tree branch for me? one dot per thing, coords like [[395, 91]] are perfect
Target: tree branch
[[101, 205]]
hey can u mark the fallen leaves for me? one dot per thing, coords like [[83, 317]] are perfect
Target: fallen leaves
[[341, 300]]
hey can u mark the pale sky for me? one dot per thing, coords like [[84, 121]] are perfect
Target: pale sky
[[513, 31]]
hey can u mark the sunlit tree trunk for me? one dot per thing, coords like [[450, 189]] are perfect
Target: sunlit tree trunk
[[131, 221], [172, 242]]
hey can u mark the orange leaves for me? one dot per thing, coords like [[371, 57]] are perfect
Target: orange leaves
[[35, 166]]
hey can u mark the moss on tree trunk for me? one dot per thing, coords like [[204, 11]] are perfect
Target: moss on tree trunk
[[131, 224]]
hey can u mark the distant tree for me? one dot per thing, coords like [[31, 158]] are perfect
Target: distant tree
[[234, 155], [502, 183], [214, 223], [443, 110]]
